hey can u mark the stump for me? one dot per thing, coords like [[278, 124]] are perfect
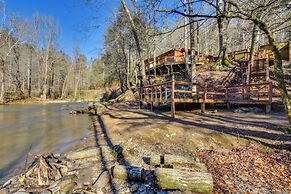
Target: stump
[[128, 173], [196, 182]]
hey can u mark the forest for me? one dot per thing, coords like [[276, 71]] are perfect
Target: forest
[[33, 65]]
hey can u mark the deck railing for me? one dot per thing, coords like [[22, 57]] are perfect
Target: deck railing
[[187, 92]]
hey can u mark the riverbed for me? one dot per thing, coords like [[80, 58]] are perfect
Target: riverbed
[[27, 130]]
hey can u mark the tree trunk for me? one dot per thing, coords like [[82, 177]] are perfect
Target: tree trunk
[[77, 84], [222, 23], [136, 38], [278, 70], [44, 89], [128, 70], [17, 76], [2, 92], [192, 47], [196, 182], [29, 68], [185, 38]]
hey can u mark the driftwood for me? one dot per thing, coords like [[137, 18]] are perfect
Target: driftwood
[[45, 171], [177, 161], [128, 173], [196, 182]]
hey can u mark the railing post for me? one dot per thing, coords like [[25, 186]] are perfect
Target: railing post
[[161, 93], [152, 98], [140, 97], [270, 96], [204, 97], [227, 98], [173, 111]]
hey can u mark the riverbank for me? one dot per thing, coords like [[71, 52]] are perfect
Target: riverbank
[[83, 95], [37, 101], [244, 152]]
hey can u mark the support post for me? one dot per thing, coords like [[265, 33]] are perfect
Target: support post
[[204, 97], [161, 94], [173, 111], [267, 69], [166, 93], [140, 97], [156, 94], [152, 98], [270, 95]]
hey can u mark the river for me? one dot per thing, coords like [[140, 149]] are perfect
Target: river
[[26, 130]]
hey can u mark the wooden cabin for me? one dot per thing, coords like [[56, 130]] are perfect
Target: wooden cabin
[[173, 61], [263, 52]]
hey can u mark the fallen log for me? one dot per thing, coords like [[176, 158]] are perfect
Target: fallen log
[[95, 152], [196, 182], [85, 153], [177, 161], [128, 173]]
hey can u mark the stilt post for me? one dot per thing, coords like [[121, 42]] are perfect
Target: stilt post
[[173, 111], [270, 95], [204, 97]]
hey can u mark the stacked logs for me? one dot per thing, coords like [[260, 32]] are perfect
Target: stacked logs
[[172, 172]]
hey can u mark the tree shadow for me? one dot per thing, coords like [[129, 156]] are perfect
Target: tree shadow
[[120, 158], [247, 134]]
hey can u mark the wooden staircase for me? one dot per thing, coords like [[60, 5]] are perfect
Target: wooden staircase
[[262, 71]]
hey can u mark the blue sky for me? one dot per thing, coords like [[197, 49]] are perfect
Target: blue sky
[[75, 19]]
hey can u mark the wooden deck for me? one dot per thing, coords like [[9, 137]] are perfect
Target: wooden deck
[[186, 92]]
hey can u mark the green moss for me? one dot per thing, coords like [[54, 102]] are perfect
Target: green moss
[[222, 64]]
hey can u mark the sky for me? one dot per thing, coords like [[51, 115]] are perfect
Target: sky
[[80, 24]]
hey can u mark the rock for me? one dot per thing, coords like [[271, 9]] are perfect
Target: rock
[[4, 191], [134, 187], [103, 181], [84, 111], [248, 110], [64, 185], [127, 96], [95, 108]]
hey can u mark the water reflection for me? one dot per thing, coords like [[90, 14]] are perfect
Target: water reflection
[[26, 130]]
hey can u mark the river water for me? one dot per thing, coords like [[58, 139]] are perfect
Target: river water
[[26, 130]]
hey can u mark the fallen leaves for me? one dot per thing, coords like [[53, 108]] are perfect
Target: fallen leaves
[[247, 170]]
